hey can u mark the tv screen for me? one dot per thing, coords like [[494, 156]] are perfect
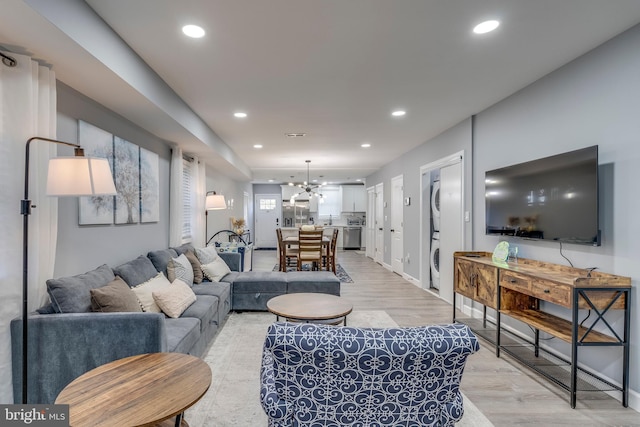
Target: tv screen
[[553, 198]]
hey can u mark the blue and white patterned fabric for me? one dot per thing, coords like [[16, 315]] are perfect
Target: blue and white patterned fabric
[[316, 375]]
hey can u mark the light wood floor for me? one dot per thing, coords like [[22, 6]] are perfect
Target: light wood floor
[[505, 391]]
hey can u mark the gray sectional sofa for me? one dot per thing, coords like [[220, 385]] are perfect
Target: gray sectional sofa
[[67, 339]]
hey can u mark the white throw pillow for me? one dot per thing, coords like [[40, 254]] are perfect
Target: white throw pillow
[[180, 268], [173, 300], [216, 270], [207, 255], [144, 292]]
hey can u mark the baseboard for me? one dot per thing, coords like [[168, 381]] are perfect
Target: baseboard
[[412, 280]]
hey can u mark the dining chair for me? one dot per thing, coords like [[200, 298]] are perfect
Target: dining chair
[[332, 253], [310, 249], [286, 253]]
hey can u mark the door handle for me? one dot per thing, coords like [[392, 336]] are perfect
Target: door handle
[[392, 230], [379, 229]]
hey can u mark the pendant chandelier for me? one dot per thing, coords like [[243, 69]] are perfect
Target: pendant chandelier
[[307, 188]]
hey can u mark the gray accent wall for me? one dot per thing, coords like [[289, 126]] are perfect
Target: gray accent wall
[[454, 140], [83, 248], [593, 100]]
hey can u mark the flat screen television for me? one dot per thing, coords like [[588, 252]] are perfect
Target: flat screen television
[[553, 198]]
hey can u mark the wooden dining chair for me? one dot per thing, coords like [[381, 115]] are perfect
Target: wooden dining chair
[[310, 249], [286, 253], [332, 252]]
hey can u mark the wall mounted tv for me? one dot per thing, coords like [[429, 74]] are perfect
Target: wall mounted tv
[[553, 198]]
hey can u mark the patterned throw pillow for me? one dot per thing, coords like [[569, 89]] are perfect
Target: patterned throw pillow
[[216, 269], [144, 292], [207, 255], [180, 268], [173, 300], [195, 264]]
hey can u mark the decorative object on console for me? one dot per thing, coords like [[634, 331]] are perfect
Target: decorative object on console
[[501, 252], [67, 176]]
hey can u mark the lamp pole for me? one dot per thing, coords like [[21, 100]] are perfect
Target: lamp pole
[[25, 211]]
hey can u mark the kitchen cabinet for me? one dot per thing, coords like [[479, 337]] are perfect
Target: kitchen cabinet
[[354, 198]]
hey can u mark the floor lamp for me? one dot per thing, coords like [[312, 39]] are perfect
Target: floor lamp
[[213, 202], [67, 176]]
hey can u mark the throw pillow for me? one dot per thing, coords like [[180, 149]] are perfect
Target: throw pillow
[[207, 255], [144, 292], [195, 265], [180, 268], [216, 269], [117, 296], [174, 299], [71, 294]]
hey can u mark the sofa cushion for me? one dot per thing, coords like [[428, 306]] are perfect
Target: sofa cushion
[[161, 258], [184, 248], [173, 300], [259, 281], [182, 334], [116, 296], [71, 294], [180, 268], [144, 292], [136, 271], [313, 281], [216, 269], [205, 309], [195, 266]]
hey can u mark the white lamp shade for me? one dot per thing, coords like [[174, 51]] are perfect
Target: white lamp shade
[[79, 176], [215, 202]]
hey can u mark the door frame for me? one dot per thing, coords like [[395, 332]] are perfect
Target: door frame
[[256, 210], [397, 207], [379, 224], [370, 229], [425, 213]]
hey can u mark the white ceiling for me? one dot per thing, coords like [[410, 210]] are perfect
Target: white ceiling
[[334, 69]]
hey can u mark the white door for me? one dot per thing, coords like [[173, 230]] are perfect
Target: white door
[[450, 225], [379, 224], [397, 247], [268, 209], [370, 229]]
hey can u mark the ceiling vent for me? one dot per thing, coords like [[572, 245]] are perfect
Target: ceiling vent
[[295, 135]]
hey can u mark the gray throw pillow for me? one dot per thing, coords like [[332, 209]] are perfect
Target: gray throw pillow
[[71, 294], [136, 271], [116, 296]]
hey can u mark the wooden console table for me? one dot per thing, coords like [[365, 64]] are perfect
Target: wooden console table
[[516, 290]]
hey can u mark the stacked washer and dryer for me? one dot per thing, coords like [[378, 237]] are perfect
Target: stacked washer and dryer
[[435, 229]]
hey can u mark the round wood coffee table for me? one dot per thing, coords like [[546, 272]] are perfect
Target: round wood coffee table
[[311, 307], [141, 390]]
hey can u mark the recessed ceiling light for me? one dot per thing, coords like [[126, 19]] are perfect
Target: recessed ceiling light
[[365, 145], [257, 145], [240, 115], [270, 180], [398, 113], [486, 27], [193, 31], [295, 135]]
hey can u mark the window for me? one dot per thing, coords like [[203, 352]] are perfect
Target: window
[[188, 188], [267, 204], [332, 205]]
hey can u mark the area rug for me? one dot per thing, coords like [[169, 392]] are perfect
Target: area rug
[[233, 400], [342, 275]]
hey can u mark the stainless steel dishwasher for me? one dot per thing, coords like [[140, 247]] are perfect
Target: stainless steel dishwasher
[[351, 237]]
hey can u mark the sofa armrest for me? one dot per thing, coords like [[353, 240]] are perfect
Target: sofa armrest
[[233, 260], [61, 347], [278, 411]]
